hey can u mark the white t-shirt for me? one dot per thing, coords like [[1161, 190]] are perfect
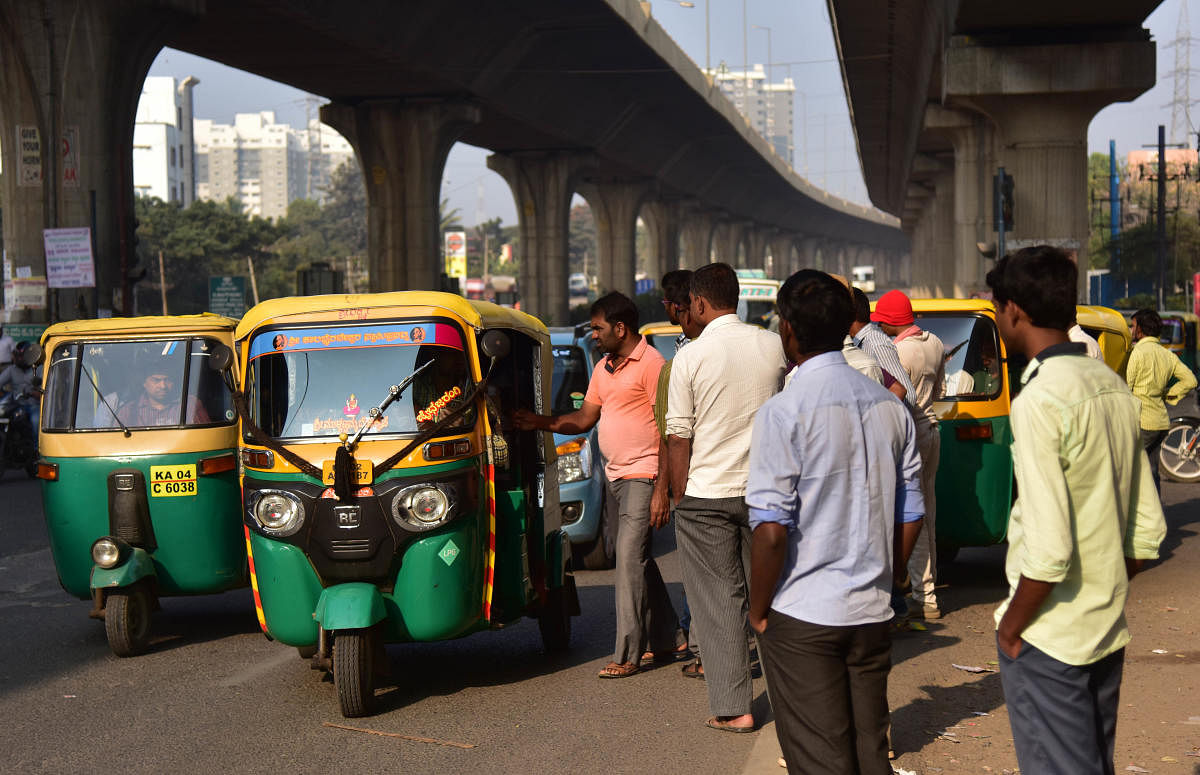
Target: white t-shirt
[[6, 348], [1077, 334]]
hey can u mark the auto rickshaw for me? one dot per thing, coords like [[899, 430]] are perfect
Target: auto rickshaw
[[138, 461], [1179, 335], [388, 498], [1110, 330]]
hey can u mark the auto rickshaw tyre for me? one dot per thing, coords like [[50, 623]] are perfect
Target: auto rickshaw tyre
[[127, 620], [554, 622], [354, 672], [1179, 434]]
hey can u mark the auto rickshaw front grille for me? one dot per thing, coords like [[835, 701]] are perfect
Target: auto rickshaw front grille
[[351, 548]]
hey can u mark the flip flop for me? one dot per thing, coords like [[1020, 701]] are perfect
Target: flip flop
[[692, 669], [618, 670], [725, 726]]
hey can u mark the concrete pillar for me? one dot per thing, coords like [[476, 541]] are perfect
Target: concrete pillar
[[697, 238], [783, 256], [615, 206], [663, 219], [1041, 99], [542, 183], [755, 241], [727, 243], [402, 147], [71, 75], [809, 254]]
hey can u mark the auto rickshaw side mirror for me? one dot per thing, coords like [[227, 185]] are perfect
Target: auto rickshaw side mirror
[[34, 354], [221, 358], [495, 344]]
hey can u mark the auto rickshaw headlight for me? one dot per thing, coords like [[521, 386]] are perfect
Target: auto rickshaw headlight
[[422, 506], [278, 513], [106, 552]]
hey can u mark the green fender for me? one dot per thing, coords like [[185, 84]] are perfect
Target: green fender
[[137, 567], [352, 606]]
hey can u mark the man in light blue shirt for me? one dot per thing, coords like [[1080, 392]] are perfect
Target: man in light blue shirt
[[834, 496]]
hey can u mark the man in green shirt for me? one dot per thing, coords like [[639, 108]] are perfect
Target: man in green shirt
[[1086, 519], [1157, 377]]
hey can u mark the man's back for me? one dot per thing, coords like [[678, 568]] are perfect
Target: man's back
[[1150, 369], [923, 356], [718, 382]]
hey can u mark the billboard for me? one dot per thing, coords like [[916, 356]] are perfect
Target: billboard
[[456, 254]]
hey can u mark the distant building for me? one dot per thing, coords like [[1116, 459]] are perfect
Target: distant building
[[264, 165], [1143, 165], [162, 141], [767, 106]]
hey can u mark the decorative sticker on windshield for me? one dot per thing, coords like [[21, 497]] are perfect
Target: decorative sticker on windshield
[[433, 412], [328, 338]]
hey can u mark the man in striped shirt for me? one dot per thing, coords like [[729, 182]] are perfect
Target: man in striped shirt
[[869, 338]]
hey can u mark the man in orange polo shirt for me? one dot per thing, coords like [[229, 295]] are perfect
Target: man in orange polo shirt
[[621, 398]]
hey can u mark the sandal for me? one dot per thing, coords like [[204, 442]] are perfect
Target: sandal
[[693, 669], [716, 723], [673, 655], [618, 670]]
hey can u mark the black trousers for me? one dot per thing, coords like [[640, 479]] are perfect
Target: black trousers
[[1152, 440], [1063, 717], [828, 688]]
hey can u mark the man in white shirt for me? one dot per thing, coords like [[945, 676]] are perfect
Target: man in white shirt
[[718, 382], [6, 349], [1076, 334]]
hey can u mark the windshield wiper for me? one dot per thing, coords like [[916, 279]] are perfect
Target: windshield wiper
[[375, 412], [104, 401]]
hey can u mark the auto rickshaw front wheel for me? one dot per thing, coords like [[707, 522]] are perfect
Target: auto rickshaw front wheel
[[127, 620], [354, 671]]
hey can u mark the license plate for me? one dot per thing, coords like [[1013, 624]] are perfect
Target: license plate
[[347, 516], [364, 472], [172, 481]]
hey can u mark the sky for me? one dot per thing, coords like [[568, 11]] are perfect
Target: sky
[[801, 45]]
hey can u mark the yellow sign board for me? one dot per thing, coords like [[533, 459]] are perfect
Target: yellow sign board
[[364, 472], [172, 481]]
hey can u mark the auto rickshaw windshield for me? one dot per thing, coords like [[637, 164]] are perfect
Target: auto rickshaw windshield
[[972, 354], [322, 382], [102, 385]]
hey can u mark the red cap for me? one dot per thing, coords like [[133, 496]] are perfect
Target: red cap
[[894, 309]]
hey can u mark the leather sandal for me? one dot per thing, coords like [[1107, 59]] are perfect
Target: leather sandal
[[693, 669], [618, 670]]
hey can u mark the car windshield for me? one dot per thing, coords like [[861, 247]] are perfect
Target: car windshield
[[322, 382], [140, 384], [972, 363], [570, 381]]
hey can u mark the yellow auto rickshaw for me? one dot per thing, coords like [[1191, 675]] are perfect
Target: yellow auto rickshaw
[[388, 497], [138, 461]]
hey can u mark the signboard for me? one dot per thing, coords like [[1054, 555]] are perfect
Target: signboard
[[25, 292], [456, 254], [29, 156], [227, 296], [70, 157], [69, 261], [25, 332]]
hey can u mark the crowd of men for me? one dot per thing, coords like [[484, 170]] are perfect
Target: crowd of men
[[799, 468]]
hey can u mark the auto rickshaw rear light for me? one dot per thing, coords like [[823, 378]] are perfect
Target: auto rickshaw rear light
[[263, 459], [975, 432], [47, 471], [106, 552], [216, 465]]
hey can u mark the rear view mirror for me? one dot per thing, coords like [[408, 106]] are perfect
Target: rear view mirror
[[495, 344], [221, 358], [34, 354]]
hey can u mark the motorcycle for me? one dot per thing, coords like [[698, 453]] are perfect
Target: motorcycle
[[1179, 454], [18, 449]]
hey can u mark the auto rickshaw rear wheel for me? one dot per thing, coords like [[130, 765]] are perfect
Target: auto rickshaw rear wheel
[[354, 671], [555, 619], [127, 620]]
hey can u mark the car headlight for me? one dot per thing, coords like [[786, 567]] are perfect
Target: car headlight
[[106, 552], [278, 513], [574, 460], [423, 506]]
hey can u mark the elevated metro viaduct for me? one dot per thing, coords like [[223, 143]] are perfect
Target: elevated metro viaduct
[[589, 96], [948, 90]]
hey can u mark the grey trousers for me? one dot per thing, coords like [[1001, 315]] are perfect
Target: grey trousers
[[1063, 717], [645, 617], [922, 564], [714, 549]]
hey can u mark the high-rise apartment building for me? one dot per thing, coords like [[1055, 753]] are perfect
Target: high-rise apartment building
[[162, 141], [768, 106]]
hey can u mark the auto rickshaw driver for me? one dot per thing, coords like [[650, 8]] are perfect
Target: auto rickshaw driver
[[157, 403]]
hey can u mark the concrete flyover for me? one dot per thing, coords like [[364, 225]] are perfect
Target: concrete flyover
[[946, 91], [590, 96]]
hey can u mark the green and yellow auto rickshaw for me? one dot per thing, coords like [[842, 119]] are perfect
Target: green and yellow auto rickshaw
[[1179, 335], [138, 461], [388, 497]]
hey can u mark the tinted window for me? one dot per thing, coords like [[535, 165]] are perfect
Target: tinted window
[[569, 383]]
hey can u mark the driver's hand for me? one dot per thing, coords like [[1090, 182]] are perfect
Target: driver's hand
[[525, 420]]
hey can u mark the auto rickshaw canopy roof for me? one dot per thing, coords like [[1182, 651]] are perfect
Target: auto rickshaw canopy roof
[[205, 322], [478, 314]]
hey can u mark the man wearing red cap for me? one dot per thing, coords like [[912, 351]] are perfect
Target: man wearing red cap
[[924, 358]]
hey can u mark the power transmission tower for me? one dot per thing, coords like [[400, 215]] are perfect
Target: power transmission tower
[[1181, 102]]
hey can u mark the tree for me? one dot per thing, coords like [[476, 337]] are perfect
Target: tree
[[344, 215], [581, 240]]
